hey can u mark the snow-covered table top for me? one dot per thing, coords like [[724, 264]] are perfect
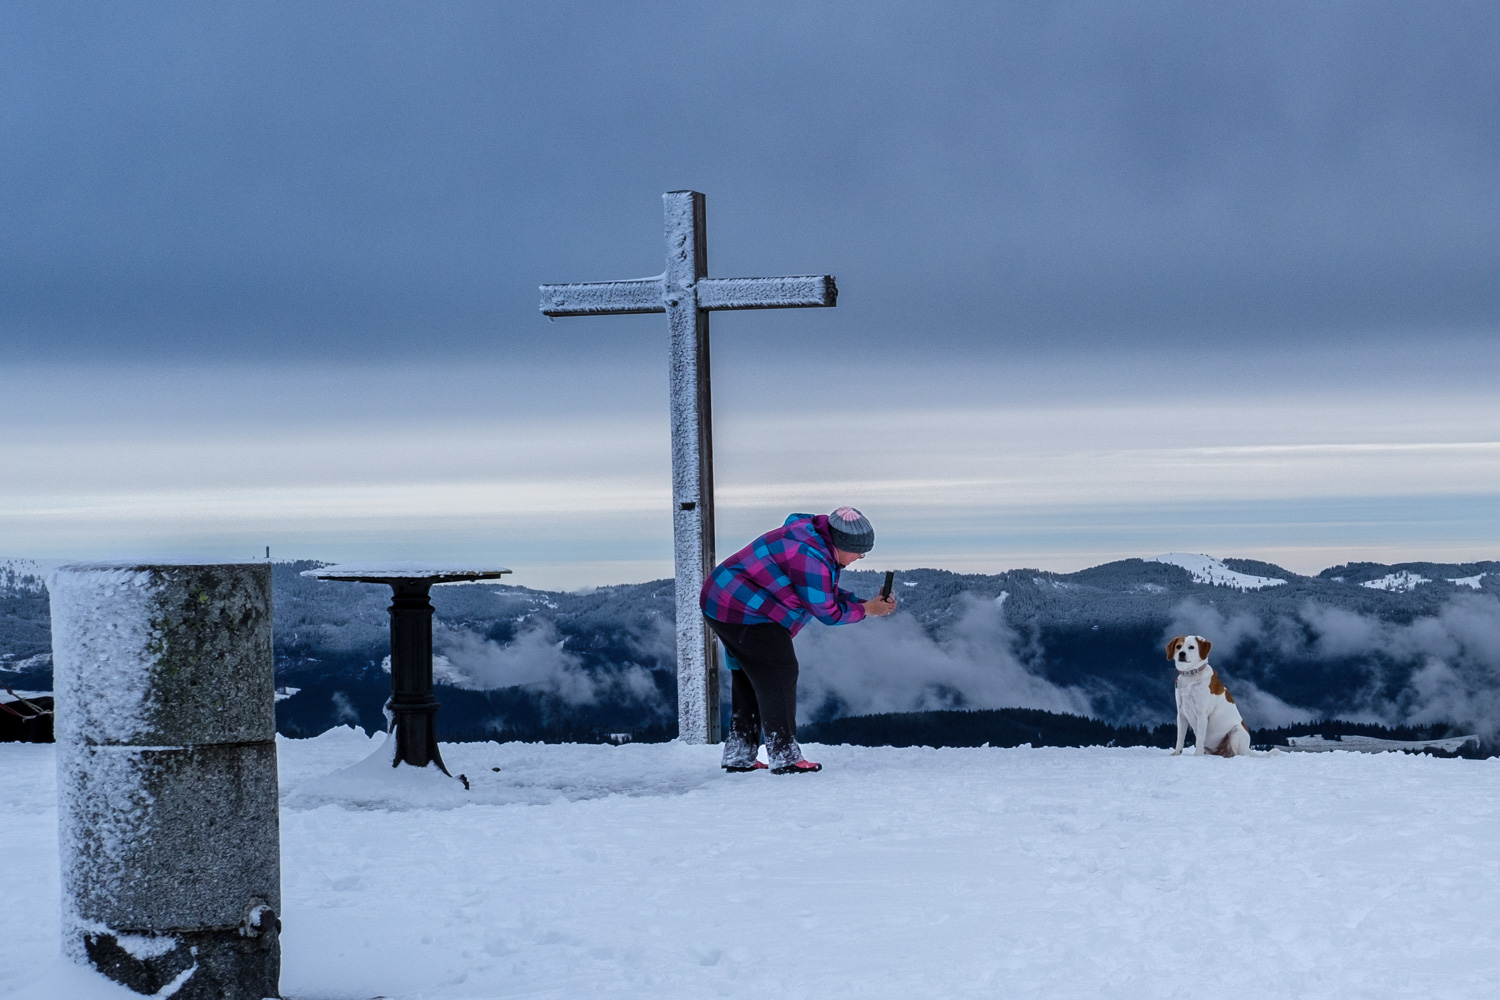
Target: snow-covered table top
[[383, 572]]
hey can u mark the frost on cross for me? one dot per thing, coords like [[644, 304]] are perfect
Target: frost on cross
[[686, 293]]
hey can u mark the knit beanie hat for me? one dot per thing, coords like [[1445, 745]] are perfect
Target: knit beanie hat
[[851, 530]]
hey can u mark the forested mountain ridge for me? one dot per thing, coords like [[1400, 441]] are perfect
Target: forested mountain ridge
[[1414, 643]]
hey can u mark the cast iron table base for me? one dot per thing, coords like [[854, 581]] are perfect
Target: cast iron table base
[[413, 707]]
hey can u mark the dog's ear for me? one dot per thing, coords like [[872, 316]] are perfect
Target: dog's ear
[[1203, 647], [1172, 647]]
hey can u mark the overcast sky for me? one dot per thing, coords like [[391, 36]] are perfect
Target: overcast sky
[[1115, 279]]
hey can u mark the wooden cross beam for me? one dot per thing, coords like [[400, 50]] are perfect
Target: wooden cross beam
[[686, 294]]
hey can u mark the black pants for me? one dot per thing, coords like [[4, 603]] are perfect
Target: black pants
[[763, 693]]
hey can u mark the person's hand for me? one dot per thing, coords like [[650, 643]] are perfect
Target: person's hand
[[880, 606]]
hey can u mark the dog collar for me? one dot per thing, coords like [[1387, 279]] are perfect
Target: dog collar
[[1192, 673]]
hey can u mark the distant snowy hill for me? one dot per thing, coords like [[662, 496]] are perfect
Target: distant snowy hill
[[1416, 643], [1406, 581], [21, 576], [1206, 569]]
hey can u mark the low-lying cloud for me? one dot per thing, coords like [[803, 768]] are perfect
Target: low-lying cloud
[[893, 665], [1441, 668], [537, 659], [344, 712]]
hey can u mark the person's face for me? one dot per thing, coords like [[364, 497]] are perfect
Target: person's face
[[845, 558]]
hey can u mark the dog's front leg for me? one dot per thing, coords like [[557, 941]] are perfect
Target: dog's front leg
[[1181, 731], [1200, 734]]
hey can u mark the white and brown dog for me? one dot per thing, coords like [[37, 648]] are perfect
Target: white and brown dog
[[1204, 703]]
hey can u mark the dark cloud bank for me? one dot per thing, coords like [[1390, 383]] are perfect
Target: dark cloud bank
[[284, 180]]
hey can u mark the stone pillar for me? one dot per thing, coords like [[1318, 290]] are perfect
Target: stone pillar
[[166, 776]]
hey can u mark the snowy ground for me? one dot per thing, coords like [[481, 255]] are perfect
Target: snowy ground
[[643, 871]]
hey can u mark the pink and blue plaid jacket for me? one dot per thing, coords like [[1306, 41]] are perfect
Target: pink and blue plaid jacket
[[785, 576]]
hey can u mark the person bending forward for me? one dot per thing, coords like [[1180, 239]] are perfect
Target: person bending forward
[[760, 597]]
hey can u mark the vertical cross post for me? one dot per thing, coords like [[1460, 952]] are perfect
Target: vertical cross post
[[692, 464], [687, 294]]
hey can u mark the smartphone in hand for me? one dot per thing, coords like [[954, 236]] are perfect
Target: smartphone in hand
[[890, 579]]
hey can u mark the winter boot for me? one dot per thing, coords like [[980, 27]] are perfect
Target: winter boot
[[803, 766], [759, 765]]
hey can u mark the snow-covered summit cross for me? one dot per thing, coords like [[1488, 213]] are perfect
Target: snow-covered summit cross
[[686, 294]]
